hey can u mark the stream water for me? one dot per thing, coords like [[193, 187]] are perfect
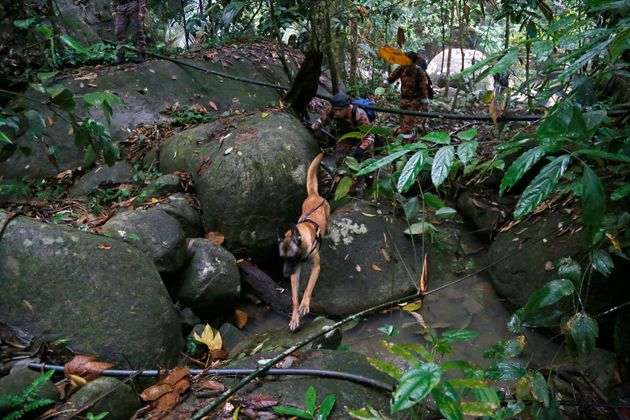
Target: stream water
[[471, 304]]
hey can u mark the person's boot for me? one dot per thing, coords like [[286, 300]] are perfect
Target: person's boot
[[139, 58]]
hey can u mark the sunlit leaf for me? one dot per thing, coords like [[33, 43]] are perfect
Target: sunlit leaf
[[382, 162], [466, 151], [394, 56], [439, 137], [385, 367], [520, 166], [209, 338], [506, 371], [442, 164], [411, 170], [445, 212], [343, 188]]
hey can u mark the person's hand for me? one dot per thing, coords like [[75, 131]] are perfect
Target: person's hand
[[316, 125], [113, 15]]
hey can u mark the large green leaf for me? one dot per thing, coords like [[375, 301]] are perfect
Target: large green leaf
[[593, 201], [467, 135], [290, 411], [549, 294], [402, 352], [61, 96], [385, 367], [326, 407], [604, 155], [601, 262], [415, 385], [520, 166], [466, 151], [584, 331], [470, 383], [620, 193], [538, 388], [570, 269], [4, 138], [420, 349], [454, 336], [231, 11], [440, 137], [310, 400], [505, 349], [73, 43], [506, 371], [541, 186], [382, 162], [411, 170], [503, 64], [448, 401], [477, 66], [585, 58], [620, 44], [433, 200], [343, 188], [442, 164]]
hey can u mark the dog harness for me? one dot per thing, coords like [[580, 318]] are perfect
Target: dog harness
[[318, 236]]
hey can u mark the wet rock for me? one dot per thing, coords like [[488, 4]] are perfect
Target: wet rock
[[211, 281], [187, 318], [120, 172], [18, 380], [155, 233], [101, 294], [484, 211], [120, 402], [359, 258], [180, 206], [231, 336], [250, 180], [282, 338]]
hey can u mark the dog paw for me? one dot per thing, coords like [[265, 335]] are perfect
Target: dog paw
[[294, 324], [304, 308]]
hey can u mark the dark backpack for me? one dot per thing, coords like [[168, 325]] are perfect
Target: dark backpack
[[419, 76], [361, 102]]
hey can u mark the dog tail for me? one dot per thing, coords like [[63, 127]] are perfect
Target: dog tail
[[311, 175]]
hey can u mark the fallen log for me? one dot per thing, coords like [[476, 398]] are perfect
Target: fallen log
[[265, 287]]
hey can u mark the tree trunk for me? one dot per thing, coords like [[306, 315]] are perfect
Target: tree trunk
[[354, 64], [450, 48], [264, 286], [330, 56], [185, 25], [306, 82]]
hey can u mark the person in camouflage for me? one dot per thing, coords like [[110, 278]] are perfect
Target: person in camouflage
[[346, 117], [414, 94], [126, 13]]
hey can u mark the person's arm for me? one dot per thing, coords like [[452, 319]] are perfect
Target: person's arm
[[324, 118], [423, 86], [142, 8], [362, 119], [393, 77]]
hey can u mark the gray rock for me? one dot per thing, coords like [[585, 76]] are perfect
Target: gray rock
[[356, 242], [291, 390], [155, 233], [485, 211], [250, 181], [120, 404], [211, 281], [120, 172], [101, 294], [231, 336], [187, 318], [179, 206], [279, 339], [18, 380], [166, 184]]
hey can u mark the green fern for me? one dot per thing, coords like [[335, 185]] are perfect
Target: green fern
[[27, 400]]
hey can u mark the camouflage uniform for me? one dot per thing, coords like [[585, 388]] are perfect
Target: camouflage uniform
[[128, 12], [355, 118], [414, 96]]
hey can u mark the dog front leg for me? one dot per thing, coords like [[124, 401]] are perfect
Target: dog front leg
[[295, 289], [305, 306]]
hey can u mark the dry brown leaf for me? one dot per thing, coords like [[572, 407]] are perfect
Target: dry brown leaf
[[376, 268], [199, 108], [218, 354], [213, 386], [49, 122], [88, 76], [216, 237], [175, 375], [85, 366], [420, 319], [181, 386], [70, 131], [240, 318], [213, 105], [105, 247], [362, 10], [385, 255], [394, 56], [154, 392], [164, 404], [358, 268]]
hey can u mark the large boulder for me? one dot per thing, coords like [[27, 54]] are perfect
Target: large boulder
[[250, 180], [101, 294], [146, 91], [366, 256], [437, 68], [106, 394]]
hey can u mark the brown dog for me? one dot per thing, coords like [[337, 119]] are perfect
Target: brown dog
[[302, 242]]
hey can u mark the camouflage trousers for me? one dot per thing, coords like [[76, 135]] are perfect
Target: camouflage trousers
[[408, 122], [126, 16]]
